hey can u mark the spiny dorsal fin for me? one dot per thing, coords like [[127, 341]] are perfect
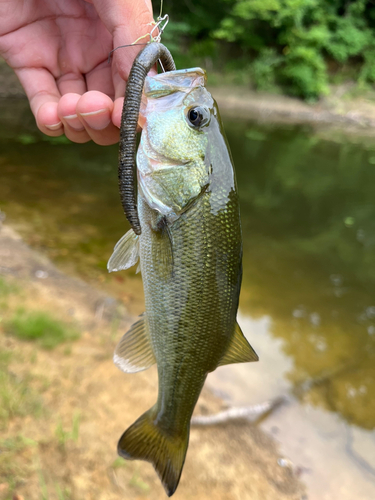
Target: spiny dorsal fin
[[125, 253], [134, 352], [239, 349], [145, 440]]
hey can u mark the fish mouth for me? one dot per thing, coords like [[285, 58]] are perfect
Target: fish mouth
[[182, 80]]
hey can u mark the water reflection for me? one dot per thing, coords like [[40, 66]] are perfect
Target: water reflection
[[308, 296], [334, 459], [308, 207]]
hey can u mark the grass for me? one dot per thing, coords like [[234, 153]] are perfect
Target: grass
[[16, 397], [138, 483], [64, 436], [7, 288], [13, 470], [43, 487], [62, 494], [40, 327], [119, 462]]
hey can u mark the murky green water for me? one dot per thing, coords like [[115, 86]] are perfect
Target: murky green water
[[308, 213], [308, 209]]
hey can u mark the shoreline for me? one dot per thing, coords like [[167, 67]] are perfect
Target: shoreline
[[349, 115], [338, 109]]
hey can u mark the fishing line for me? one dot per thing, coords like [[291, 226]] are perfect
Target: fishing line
[[161, 9], [157, 38], [122, 46]]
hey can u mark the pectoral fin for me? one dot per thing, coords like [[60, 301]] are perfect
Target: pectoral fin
[[239, 349], [134, 352], [162, 247], [125, 254]]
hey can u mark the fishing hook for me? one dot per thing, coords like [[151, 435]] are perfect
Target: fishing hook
[[157, 38], [158, 26]]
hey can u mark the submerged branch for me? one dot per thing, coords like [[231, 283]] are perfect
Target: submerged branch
[[240, 413]]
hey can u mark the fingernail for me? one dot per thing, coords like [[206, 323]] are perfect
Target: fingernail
[[55, 126], [97, 120], [74, 122]]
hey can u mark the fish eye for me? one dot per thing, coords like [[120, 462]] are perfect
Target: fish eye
[[198, 116]]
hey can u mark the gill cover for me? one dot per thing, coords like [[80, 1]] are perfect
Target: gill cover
[[176, 111]]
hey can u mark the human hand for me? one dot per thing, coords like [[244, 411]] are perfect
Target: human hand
[[59, 51]]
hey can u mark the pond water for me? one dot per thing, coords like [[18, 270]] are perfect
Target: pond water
[[308, 296]]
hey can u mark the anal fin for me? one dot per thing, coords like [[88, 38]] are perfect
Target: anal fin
[[134, 351], [239, 349]]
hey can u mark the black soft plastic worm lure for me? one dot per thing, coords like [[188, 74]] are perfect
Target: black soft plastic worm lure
[[126, 171]]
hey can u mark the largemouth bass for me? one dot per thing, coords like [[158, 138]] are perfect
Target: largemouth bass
[[190, 252]]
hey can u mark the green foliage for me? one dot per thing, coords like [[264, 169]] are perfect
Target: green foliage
[[305, 72], [264, 69], [287, 42], [41, 327]]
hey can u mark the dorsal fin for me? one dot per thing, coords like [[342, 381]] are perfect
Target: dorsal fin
[[239, 349]]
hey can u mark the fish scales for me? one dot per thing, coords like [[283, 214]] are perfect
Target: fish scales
[[198, 302], [190, 252]]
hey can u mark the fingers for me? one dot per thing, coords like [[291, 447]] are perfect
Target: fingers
[[80, 117], [126, 21], [95, 112], [88, 117], [65, 106], [71, 82], [117, 111], [100, 78], [43, 94], [66, 110]]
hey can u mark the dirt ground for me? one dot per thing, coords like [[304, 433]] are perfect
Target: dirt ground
[[67, 450]]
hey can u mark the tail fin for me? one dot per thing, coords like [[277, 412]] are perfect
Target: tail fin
[[144, 440]]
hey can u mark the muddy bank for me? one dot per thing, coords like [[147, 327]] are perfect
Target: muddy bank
[[230, 462]]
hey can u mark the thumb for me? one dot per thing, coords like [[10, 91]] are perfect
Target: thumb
[[126, 20]]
